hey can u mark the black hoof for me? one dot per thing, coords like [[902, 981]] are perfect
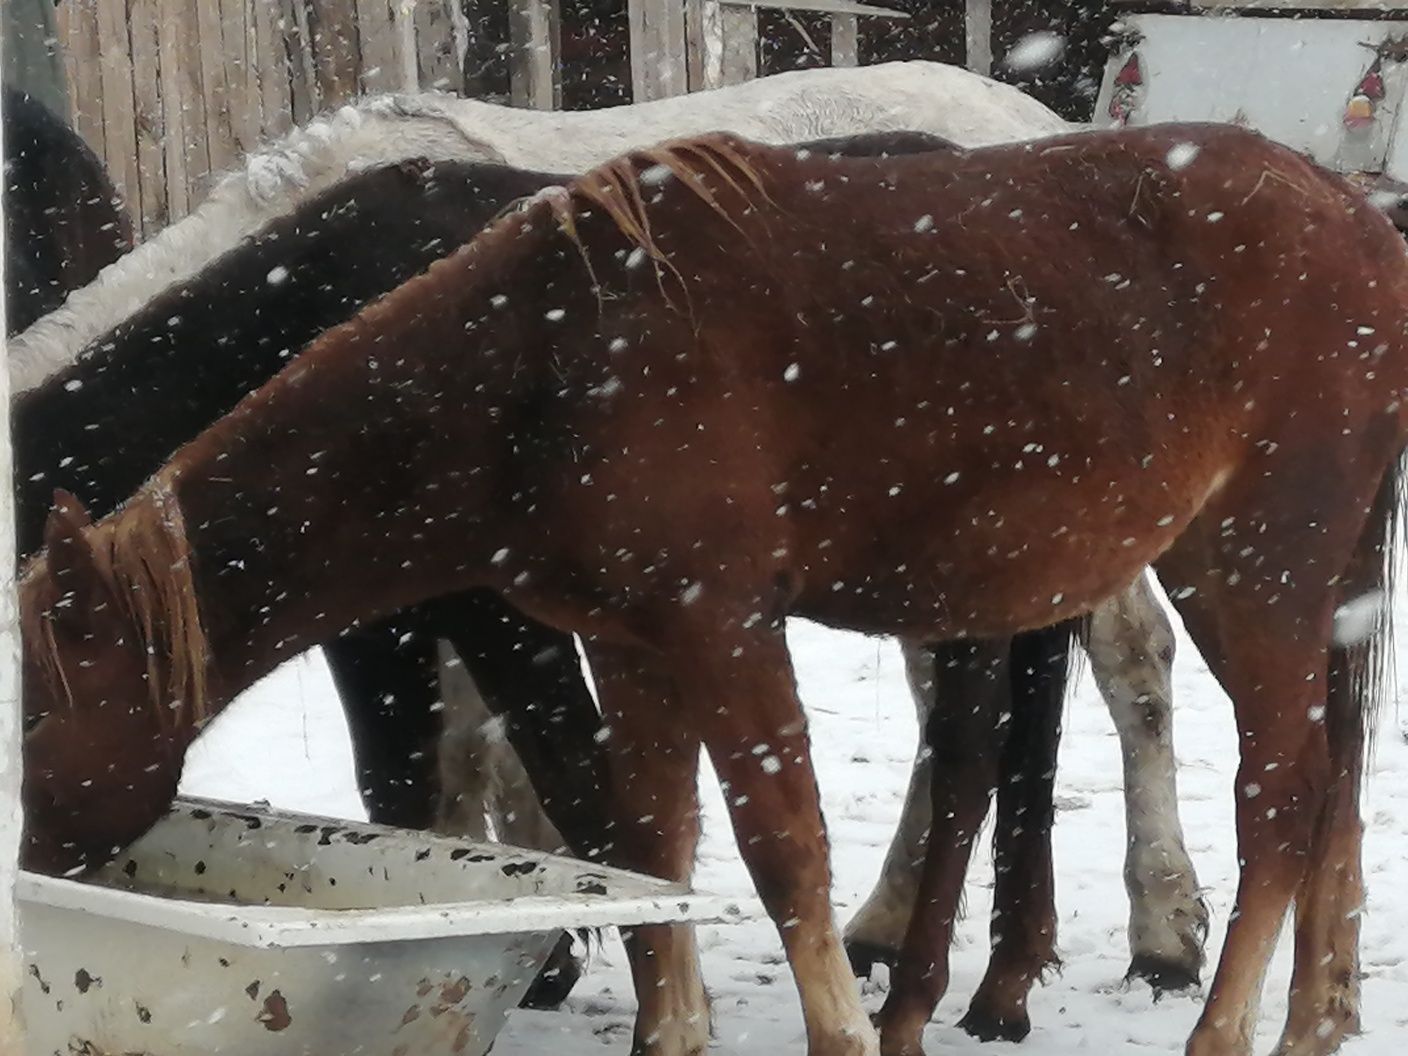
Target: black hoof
[[864, 956], [1163, 976], [556, 980], [986, 1026]]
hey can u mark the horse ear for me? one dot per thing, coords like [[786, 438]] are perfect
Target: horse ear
[[73, 562]]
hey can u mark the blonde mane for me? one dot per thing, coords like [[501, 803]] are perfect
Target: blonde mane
[[145, 558]]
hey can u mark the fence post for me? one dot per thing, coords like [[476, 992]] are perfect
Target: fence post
[[659, 67], [977, 33], [534, 33]]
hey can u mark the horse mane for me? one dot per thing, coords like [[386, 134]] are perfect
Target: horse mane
[[151, 572], [273, 182], [619, 189]]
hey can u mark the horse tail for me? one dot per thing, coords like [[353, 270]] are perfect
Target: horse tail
[[1361, 653]]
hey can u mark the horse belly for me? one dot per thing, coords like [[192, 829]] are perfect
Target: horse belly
[[1000, 559]]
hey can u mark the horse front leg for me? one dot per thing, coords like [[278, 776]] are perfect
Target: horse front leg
[[1131, 647], [876, 933], [653, 801], [737, 684]]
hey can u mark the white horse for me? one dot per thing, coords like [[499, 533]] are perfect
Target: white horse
[[484, 788]]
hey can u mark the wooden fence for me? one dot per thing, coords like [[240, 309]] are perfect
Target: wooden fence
[[169, 92]]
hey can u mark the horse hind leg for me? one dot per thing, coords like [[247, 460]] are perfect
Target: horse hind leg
[[1131, 647], [1024, 894], [965, 734], [876, 933], [1325, 979], [1256, 590]]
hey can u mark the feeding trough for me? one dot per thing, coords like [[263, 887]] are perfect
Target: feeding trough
[[235, 930]]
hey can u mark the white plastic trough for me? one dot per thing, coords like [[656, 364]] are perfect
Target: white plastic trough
[[251, 932]]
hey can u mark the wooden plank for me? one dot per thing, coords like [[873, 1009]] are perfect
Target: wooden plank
[[824, 7], [336, 50], [438, 65], [298, 53], [182, 104], [221, 148], [151, 202], [845, 40], [659, 67], [119, 147], [977, 35], [242, 73], [696, 47], [739, 55], [173, 113], [403, 22], [535, 44], [78, 34], [377, 42], [270, 61]]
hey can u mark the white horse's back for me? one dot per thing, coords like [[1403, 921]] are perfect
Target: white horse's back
[[789, 107]]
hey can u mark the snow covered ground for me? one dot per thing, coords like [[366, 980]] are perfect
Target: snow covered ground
[[286, 742]]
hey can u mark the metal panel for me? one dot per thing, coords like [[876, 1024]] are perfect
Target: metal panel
[[1289, 79]]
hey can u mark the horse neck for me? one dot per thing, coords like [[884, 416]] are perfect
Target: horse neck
[[188, 357], [360, 481]]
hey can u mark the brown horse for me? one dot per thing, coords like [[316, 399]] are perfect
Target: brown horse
[[715, 384]]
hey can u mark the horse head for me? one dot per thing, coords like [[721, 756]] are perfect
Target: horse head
[[105, 723]]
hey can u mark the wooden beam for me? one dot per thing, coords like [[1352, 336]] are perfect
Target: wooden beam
[[845, 40], [977, 34], [822, 7], [659, 66], [535, 49]]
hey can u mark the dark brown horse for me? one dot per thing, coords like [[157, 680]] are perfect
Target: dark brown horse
[[64, 221], [715, 384]]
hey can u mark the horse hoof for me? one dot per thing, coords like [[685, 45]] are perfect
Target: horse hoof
[[556, 979], [864, 956], [988, 1026], [1163, 976]]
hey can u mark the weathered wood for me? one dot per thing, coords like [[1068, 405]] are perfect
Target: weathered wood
[[298, 47], [272, 66], [977, 33], [150, 198], [333, 24], [380, 66], [535, 46], [845, 40], [438, 64], [658, 60], [119, 147], [215, 88], [739, 54], [166, 94], [237, 32], [823, 7], [78, 35]]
